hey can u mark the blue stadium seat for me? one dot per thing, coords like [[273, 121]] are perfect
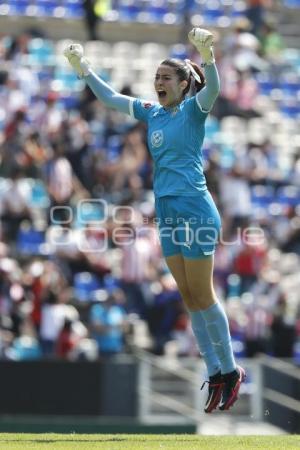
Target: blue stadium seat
[[292, 3], [290, 84], [212, 11], [296, 353], [85, 284], [46, 7], [17, 7], [40, 51], [157, 9], [238, 9], [233, 285], [113, 147], [25, 348], [262, 195], [290, 107], [74, 9], [89, 211], [177, 6], [128, 10], [69, 100], [45, 75], [66, 79], [39, 196], [179, 51], [212, 126], [228, 156], [288, 195], [266, 83], [238, 347], [30, 241], [111, 283]]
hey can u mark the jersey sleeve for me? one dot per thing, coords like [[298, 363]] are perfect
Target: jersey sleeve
[[207, 96], [195, 109], [141, 109]]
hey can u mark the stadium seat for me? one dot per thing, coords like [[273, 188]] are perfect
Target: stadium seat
[[152, 50], [125, 49], [227, 157], [290, 85], [292, 57], [179, 51], [30, 241], [233, 124], [74, 9], [95, 48], [290, 107], [46, 7], [238, 347], [17, 7], [176, 6], [66, 79], [110, 283], [69, 100], [25, 348], [39, 196], [261, 195], [157, 9], [292, 3], [40, 51], [296, 353], [212, 11], [266, 83], [288, 195], [212, 127], [238, 9], [89, 211], [233, 286], [85, 284], [128, 10]]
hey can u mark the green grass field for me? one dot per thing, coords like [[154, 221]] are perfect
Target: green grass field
[[49, 441]]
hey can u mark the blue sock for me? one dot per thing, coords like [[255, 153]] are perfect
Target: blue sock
[[218, 331], [204, 343]]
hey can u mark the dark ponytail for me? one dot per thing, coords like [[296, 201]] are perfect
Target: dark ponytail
[[184, 70]]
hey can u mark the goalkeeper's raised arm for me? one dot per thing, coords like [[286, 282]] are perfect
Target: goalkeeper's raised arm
[[202, 40], [104, 92]]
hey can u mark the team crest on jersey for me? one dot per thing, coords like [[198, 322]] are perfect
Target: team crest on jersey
[[147, 105], [157, 138]]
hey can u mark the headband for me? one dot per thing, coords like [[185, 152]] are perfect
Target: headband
[[193, 71]]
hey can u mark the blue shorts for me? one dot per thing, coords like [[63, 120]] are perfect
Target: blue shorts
[[188, 225]]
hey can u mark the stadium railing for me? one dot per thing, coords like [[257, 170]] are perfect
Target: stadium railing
[[169, 390], [280, 393]]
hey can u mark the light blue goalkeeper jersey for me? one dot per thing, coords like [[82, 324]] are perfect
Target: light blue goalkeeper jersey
[[175, 138], [175, 135]]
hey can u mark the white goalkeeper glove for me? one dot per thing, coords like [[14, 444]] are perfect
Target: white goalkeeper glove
[[74, 54], [203, 40]]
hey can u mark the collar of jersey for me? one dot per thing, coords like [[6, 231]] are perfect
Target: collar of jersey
[[162, 110]]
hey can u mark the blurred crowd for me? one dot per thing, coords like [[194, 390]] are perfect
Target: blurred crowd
[[81, 270]]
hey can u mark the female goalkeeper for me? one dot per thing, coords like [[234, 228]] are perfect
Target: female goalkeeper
[[189, 222]]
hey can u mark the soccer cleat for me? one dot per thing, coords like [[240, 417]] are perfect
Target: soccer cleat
[[231, 387], [215, 387]]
